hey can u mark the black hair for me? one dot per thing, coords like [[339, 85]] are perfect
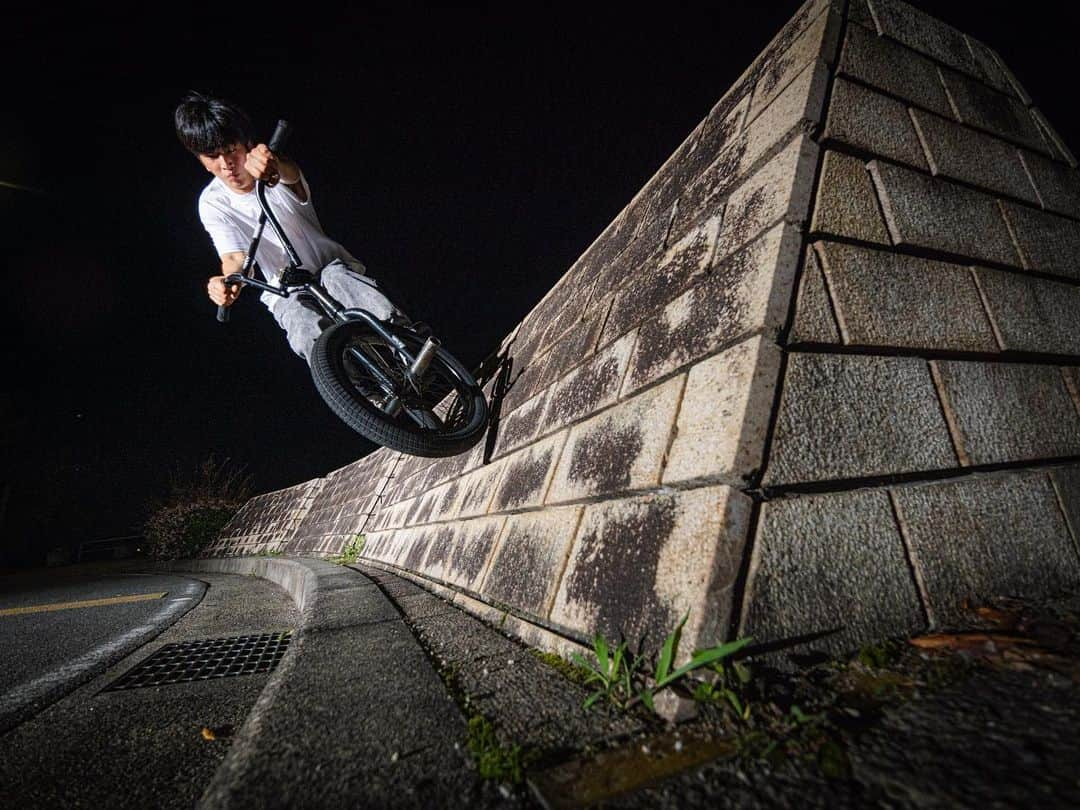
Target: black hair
[[206, 125]]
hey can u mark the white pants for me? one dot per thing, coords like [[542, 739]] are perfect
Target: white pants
[[351, 289]]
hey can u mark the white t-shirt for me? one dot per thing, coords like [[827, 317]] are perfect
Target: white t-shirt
[[231, 219]]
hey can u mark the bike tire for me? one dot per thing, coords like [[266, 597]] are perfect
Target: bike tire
[[330, 370]]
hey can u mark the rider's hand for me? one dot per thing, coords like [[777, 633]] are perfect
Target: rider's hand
[[221, 293], [263, 164]]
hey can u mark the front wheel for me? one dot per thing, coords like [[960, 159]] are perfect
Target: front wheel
[[443, 415]]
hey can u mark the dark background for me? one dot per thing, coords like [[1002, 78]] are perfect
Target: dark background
[[467, 156]]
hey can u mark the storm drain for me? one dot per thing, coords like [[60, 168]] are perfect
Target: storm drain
[[206, 659]]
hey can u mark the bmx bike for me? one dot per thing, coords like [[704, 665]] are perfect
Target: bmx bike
[[389, 380]]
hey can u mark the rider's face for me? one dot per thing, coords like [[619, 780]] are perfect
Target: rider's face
[[228, 166]]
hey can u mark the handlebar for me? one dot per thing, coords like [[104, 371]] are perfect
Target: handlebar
[[277, 141]]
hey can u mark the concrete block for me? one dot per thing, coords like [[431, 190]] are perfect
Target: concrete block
[[965, 154], [979, 106], [476, 490], [990, 66], [468, 559], [846, 203], [829, 564], [638, 565], [926, 34], [1053, 140], [522, 424], [591, 386], [1072, 383], [620, 449], [858, 11], [724, 415], [527, 475], [814, 320], [889, 299], [1058, 184], [684, 261], [852, 416], [1001, 535], [1002, 412], [720, 133], [818, 41], [568, 351], [530, 558], [749, 291], [931, 213], [893, 68], [1046, 242], [1066, 481], [1031, 314], [441, 542], [797, 109], [779, 192], [860, 117]]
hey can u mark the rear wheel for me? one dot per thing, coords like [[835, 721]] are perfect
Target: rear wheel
[[444, 414]]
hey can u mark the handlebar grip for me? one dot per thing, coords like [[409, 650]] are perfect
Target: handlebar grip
[[223, 314], [280, 136]]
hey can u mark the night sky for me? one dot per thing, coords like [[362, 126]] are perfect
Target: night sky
[[467, 157]]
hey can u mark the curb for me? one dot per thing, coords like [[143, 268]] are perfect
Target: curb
[[354, 711]]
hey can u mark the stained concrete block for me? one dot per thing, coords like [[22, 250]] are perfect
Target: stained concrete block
[[468, 559], [1071, 374], [591, 386], [829, 564], [1058, 184], [684, 261], [860, 117], [965, 154], [1046, 242], [522, 424], [1066, 481], [1002, 412], [850, 416], [979, 106], [1031, 314], [814, 321], [991, 68], [889, 299], [926, 34], [750, 290], [927, 212], [846, 203], [620, 449], [779, 192], [981, 537], [1053, 140], [530, 558], [442, 540], [818, 41], [893, 68], [797, 109], [568, 351], [477, 489], [527, 475], [664, 556], [724, 415]]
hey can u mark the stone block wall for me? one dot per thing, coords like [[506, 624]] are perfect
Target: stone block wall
[[819, 376]]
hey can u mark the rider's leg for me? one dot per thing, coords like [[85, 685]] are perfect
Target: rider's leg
[[301, 325], [355, 291]]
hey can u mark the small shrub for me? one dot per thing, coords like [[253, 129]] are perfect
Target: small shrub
[[185, 529]]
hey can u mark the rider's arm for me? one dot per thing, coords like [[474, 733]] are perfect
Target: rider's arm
[[216, 288]]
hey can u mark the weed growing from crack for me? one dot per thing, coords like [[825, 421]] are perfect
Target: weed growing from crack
[[351, 552], [493, 760]]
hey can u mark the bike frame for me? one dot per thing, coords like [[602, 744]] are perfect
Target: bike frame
[[414, 366]]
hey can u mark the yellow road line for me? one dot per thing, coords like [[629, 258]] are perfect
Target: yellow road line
[[112, 600]]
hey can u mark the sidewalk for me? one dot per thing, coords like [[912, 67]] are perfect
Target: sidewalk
[[391, 697]]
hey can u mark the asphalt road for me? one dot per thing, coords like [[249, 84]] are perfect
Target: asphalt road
[[154, 746]]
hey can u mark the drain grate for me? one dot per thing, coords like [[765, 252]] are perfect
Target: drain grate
[[206, 659]]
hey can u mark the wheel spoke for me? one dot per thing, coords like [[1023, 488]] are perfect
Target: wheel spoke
[[424, 418]]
